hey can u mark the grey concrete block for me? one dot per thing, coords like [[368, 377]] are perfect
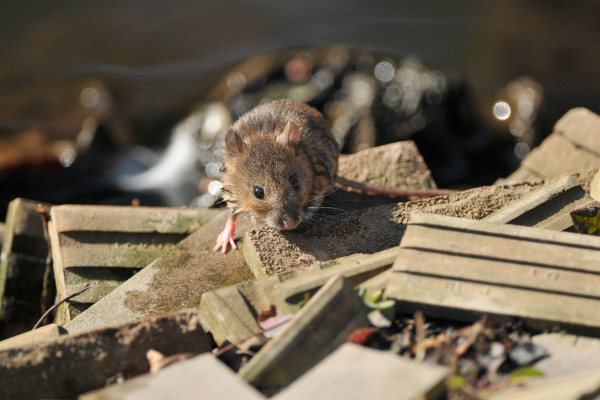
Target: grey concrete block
[[72, 364], [569, 354], [583, 386], [230, 313], [23, 262], [39, 335], [201, 377], [573, 146], [353, 372], [367, 231], [321, 326], [396, 165], [456, 268], [548, 207], [106, 245], [172, 282]]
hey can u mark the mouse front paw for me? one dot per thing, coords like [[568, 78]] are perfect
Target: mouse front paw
[[225, 239]]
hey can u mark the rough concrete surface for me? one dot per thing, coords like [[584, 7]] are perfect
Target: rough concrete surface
[[356, 373], [573, 145], [365, 231], [203, 377], [73, 364], [395, 165], [172, 282]]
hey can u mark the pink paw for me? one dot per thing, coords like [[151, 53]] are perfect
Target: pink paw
[[225, 239]]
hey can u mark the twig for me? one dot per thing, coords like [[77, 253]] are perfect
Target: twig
[[69, 297]]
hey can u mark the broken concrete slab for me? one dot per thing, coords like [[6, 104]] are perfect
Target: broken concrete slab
[[23, 264], [582, 386], [458, 268], [395, 165], [39, 335], [569, 354], [172, 282], [106, 245], [321, 326], [269, 252], [574, 145], [230, 313], [356, 372], [548, 207], [201, 377], [105, 355]]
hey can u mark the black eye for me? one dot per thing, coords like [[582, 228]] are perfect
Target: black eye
[[294, 181], [258, 192]]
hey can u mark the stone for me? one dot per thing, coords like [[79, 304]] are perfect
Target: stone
[[574, 145], [39, 335], [569, 354], [354, 372], [200, 377], [172, 282], [22, 266], [585, 385], [73, 364], [230, 313], [548, 207], [321, 326], [269, 252], [106, 245], [459, 268], [395, 165]]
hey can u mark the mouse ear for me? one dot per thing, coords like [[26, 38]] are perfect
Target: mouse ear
[[290, 134], [234, 144]]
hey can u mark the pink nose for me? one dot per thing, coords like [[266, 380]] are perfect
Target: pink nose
[[287, 222]]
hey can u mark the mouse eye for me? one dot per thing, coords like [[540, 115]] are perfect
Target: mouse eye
[[294, 181], [258, 192]]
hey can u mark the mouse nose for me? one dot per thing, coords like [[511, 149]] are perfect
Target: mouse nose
[[286, 221]]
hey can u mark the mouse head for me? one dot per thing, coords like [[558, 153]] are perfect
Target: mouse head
[[268, 176]]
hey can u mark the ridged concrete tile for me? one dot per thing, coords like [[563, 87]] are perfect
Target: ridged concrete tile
[[457, 268]]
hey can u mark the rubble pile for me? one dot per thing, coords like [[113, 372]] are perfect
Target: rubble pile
[[487, 293]]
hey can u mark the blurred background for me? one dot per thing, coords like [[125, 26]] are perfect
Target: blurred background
[[107, 101]]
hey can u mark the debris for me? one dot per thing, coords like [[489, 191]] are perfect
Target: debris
[[229, 313], [200, 377], [172, 282], [105, 355], [321, 326], [458, 268], [356, 372], [106, 245], [547, 207]]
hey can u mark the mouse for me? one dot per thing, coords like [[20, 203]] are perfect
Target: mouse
[[279, 160]]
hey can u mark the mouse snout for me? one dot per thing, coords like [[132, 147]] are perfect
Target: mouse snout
[[287, 221]]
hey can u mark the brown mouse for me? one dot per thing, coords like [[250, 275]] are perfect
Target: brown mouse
[[279, 160]]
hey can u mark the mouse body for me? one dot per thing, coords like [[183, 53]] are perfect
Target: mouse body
[[279, 160]]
